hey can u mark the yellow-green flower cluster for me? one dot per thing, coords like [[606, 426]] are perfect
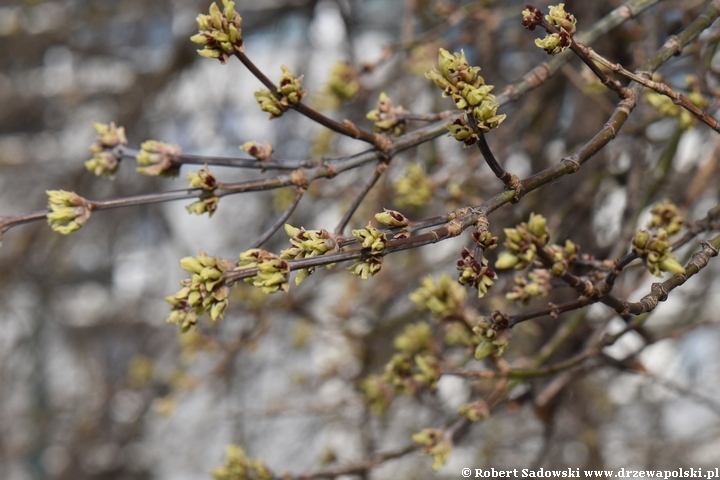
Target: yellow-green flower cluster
[[377, 393], [553, 43], [104, 161], [461, 82], [565, 22], [563, 257], [494, 336], [667, 216], [68, 211], [204, 292], [372, 238], [386, 118], [289, 92], [272, 273], [207, 201], [257, 150], [558, 17], [443, 299], [475, 274], [457, 334], [414, 189], [484, 239], [462, 132], [219, 32], [414, 338], [407, 374], [475, 411], [203, 179], [436, 444], [344, 81], [391, 218], [306, 244], [239, 467], [537, 284], [157, 158], [656, 251], [522, 243]]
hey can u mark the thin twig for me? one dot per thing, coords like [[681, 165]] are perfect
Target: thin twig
[[345, 128], [381, 167], [644, 78], [280, 221]]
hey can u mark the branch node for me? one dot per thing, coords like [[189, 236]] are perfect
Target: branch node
[[299, 178], [610, 127], [658, 291], [573, 164], [382, 142], [709, 246], [330, 170], [454, 228], [517, 186], [673, 43]]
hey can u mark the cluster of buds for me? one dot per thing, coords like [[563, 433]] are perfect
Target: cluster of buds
[[428, 370], [414, 189], [204, 292], [656, 251], [407, 374], [484, 239], [494, 335], [370, 238], [386, 117], [68, 211], [259, 151], [557, 17], [238, 466], [666, 215], [475, 274], [306, 244], [461, 82], [392, 218], [414, 338], [105, 161], [344, 81], [377, 393], [462, 132], [537, 284], [475, 411], [564, 256], [436, 444], [157, 158], [522, 243], [272, 273], [219, 32], [203, 179], [207, 201], [443, 299], [398, 375], [289, 92], [667, 107], [457, 334]]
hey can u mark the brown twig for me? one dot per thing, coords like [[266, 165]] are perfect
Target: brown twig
[[346, 128], [281, 219], [381, 167]]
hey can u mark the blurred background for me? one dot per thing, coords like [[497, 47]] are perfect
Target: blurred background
[[95, 385]]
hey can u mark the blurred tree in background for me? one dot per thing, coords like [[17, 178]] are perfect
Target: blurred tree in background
[[587, 183]]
